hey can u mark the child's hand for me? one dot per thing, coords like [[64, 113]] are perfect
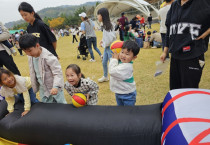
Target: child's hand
[[115, 55], [88, 96], [9, 113], [54, 91], [101, 42], [24, 113]]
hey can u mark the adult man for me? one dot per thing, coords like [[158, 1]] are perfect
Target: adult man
[[5, 54], [123, 22], [149, 20]]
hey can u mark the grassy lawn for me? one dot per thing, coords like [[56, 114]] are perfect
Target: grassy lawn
[[150, 89]]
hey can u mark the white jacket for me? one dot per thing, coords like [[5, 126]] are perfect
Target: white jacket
[[120, 73]]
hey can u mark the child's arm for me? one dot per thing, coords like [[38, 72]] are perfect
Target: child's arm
[[120, 72], [27, 103], [68, 89], [56, 70], [11, 103], [93, 88]]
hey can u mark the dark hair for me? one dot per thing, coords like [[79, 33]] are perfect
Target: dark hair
[[76, 69], [107, 25], [131, 46], [149, 33], [27, 41], [168, 1], [26, 7], [122, 14], [142, 16], [4, 71], [127, 27]]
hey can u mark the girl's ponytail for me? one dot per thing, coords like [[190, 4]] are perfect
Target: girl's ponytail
[[37, 16]]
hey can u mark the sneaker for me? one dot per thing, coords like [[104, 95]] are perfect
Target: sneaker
[[13, 51], [103, 79], [154, 47], [92, 60]]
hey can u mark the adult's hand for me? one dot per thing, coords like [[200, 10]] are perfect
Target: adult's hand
[[203, 36]]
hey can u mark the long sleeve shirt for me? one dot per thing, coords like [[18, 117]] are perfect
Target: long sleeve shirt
[[22, 86]]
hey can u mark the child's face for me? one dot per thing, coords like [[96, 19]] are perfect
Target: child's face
[[99, 17], [126, 56], [28, 17], [8, 80], [34, 51], [72, 77]]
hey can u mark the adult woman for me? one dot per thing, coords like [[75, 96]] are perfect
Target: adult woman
[[87, 28], [38, 27], [187, 40]]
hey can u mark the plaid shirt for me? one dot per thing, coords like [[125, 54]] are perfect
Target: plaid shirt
[[87, 86]]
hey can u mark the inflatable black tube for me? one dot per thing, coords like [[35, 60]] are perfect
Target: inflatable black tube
[[58, 124]]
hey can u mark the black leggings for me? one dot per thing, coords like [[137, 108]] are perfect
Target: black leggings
[[7, 61], [74, 37]]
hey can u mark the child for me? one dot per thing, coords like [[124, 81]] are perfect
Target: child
[[76, 83], [45, 70], [109, 36], [121, 74], [128, 34], [147, 40], [18, 47], [13, 85]]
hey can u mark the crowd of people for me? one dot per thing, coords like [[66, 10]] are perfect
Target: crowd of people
[[185, 38]]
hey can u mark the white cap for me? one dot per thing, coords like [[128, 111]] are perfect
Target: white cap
[[83, 14]]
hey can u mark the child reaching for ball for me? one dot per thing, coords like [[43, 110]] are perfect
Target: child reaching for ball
[[121, 74], [77, 83], [14, 85]]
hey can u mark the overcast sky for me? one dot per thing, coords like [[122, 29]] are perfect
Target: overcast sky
[[9, 8]]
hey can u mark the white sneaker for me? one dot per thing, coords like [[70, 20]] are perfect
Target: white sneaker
[[13, 51], [103, 79], [92, 60]]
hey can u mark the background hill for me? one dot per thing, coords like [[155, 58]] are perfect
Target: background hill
[[53, 12]]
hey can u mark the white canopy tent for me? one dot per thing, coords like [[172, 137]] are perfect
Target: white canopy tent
[[116, 7]]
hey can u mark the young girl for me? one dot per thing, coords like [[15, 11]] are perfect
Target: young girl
[[38, 28], [109, 36], [76, 83], [12, 85], [128, 34]]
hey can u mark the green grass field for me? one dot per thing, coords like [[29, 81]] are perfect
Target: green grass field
[[150, 89]]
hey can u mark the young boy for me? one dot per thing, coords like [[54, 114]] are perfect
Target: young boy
[[121, 74], [45, 70]]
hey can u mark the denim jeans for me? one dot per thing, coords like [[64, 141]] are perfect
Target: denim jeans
[[126, 99], [93, 41], [32, 96], [155, 43], [106, 57]]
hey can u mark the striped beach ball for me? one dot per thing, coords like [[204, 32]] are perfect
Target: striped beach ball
[[116, 45], [79, 100]]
